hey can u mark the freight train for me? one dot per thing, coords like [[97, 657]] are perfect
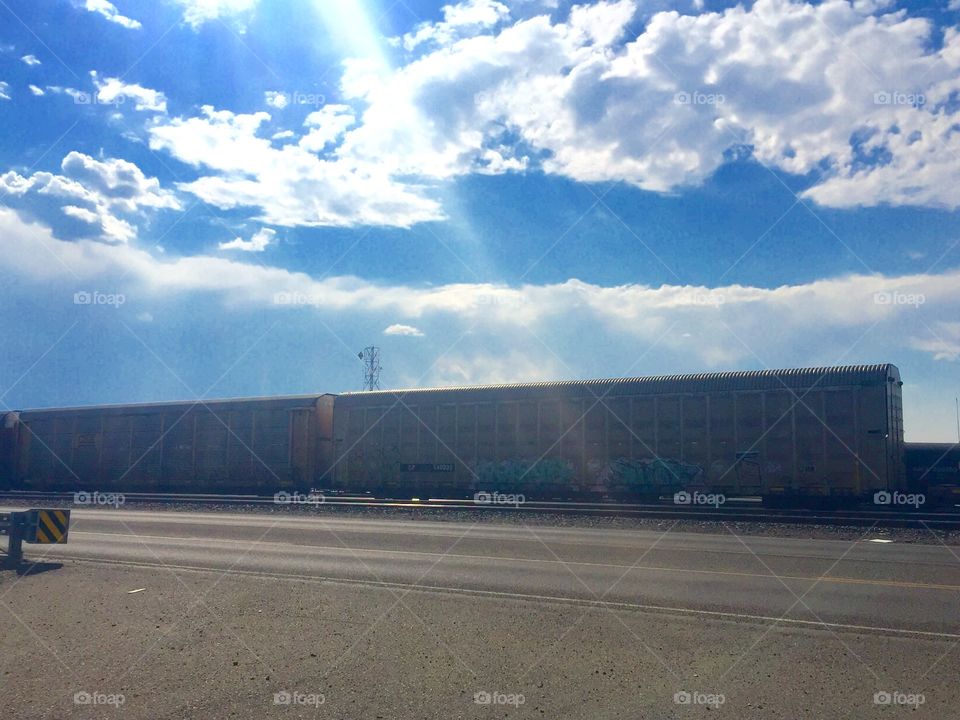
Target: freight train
[[824, 435]]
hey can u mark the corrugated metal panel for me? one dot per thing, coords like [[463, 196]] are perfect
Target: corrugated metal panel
[[820, 377]]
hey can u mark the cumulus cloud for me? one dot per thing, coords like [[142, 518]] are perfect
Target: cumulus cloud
[[400, 329], [327, 125], [857, 97], [460, 20], [861, 99], [290, 185], [197, 12], [110, 12], [112, 91], [4, 90], [258, 243], [38, 92], [30, 60], [89, 199]]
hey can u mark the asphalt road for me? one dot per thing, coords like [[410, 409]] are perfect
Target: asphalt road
[[169, 615], [887, 587]]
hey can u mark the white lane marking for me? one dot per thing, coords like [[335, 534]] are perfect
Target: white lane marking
[[538, 598], [124, 537]]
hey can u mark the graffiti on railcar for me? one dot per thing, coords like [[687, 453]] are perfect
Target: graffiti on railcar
[[524, 473], [637, 474]]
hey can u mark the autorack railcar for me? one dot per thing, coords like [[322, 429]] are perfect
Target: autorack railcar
[[934, 469], [819, 432], [834, 432], [253, 444]]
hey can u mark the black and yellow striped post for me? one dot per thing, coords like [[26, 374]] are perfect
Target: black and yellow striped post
[[48, 527]]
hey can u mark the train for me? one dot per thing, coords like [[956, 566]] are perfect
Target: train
[[802, 436]]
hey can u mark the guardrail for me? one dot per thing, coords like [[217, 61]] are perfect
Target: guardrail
[[45, 527]]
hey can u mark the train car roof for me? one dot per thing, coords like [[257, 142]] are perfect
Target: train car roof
[[696, 382], [932, 446], [277, 400]]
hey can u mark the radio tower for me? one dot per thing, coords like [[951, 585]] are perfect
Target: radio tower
[[371, 367]]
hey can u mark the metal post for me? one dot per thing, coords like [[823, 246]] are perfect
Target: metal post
[[11, 527], [14, 542]]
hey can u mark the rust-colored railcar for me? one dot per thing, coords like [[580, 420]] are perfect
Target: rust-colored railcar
[[258, 444], [834, 431], [827, 432]]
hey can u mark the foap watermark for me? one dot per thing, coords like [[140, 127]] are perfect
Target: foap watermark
[[98, 498], [297, 498], [896, 697], [82, 697], [95, 297], [695, 697], [81, 97], [503, 299], [704, 297], [495, 697], [294, 697], [496, 498], [698, 98], [281, 99], [698, 498], [899, 298], [296, 298], [886, 497], [894, 97]]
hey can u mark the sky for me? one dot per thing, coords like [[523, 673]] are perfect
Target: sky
[[226, 198]]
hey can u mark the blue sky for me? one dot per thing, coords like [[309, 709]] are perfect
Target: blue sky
[[211, 198]]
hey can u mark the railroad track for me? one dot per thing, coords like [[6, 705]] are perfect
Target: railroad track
[[733, 510]]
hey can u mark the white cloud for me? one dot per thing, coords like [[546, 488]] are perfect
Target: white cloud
[[94, 193], [30, 60], [283, 135], [821, 321], [258, 243], [810, 88], [327, 125], [84, 214], [197, 12], [4, 90], [290, 185], [581, 98], [110, 12], [484, 368], [460, 20], [121, 183], [115, 91], [38, 92], [942, 340], [400, 329]]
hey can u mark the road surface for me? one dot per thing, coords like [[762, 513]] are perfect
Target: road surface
[[770, 622]]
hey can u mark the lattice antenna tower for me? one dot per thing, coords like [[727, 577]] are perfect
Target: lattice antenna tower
[[371, 367]]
